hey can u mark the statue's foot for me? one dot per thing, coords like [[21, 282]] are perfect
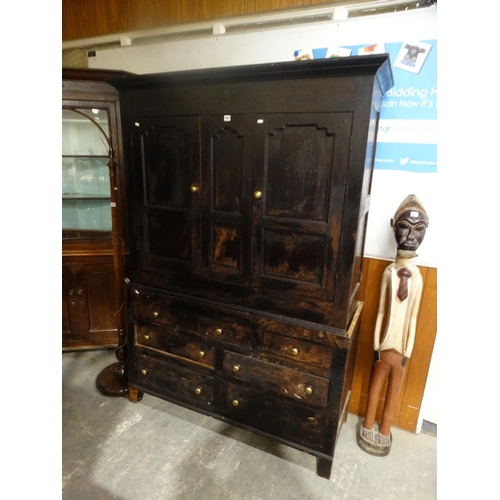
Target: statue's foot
[[369, 435], [385, 440], [372, 442]]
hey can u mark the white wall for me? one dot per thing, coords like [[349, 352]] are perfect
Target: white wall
[[389, 187]]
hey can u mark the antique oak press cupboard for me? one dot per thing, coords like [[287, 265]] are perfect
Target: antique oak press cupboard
[[247, 198]]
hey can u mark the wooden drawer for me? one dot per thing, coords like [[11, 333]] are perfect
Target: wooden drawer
[[168, 340], [183, 319], [257, 409], [225, 330], [297, 350], [161, 313], [171, 380], [299, 386]]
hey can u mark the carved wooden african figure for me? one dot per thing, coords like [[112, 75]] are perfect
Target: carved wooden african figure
[[394, 335]]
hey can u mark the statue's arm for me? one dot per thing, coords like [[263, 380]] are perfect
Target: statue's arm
[[381, 309], [412, 327]]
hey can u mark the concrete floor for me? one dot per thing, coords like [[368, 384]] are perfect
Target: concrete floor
[[113, 449]]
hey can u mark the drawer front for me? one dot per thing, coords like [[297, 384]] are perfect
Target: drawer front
[[225, 330], [170, 380], [160, 313], [295, 423], [297, 350], [170, 341], [208, 326], [299, 386]]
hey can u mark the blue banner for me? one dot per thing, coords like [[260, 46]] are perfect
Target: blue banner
[[407, 134]]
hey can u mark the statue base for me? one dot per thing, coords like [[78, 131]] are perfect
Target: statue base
[[373, 442]]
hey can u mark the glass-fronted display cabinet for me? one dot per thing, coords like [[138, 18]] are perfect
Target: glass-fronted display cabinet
[[90, 130], [85, 175]]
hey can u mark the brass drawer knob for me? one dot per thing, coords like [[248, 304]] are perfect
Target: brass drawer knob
[[146, 337], [308, 390], [198, 390], [155, 314], [194, 188], [236, 368], [144, 372], [235, 402], [218, 331], [257, 195], [294, 351], [201, 354]]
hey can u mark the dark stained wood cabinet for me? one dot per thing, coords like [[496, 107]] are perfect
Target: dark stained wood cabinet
[[248, 192]]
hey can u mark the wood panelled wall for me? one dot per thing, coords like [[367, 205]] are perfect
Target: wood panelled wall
[[417, 367], [89, 18]]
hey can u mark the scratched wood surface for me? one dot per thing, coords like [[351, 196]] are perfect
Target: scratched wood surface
[[89, 18], [412, 391]]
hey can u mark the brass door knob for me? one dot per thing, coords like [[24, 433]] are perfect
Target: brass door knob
[[194, 188], [236, 368], [198, 390], [146, 337], [257, 195], [218, 331], [144, 372], [235, 402], [308, 390], [155, 314], [201, 354], [294, 351]]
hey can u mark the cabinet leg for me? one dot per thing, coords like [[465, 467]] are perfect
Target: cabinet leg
[[323, 467], [134, 395]]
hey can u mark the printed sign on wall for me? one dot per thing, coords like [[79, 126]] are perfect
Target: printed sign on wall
[[407, 133]]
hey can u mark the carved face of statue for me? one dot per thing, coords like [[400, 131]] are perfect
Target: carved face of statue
[[410, 229]]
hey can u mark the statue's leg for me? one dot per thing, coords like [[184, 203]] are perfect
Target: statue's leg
[[379, 374], [393, 389]]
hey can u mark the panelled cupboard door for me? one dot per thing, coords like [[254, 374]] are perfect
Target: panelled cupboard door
[[193, 196], [244, 198], [299, 187], [226, 200], [89, 304], [167, 160]]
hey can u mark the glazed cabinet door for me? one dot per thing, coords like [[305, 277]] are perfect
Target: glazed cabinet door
[[299, 188], [226, 197], [167, 196]]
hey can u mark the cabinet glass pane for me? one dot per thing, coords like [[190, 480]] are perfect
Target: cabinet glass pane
[[85, 176], [86, 214], [80, 136]]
